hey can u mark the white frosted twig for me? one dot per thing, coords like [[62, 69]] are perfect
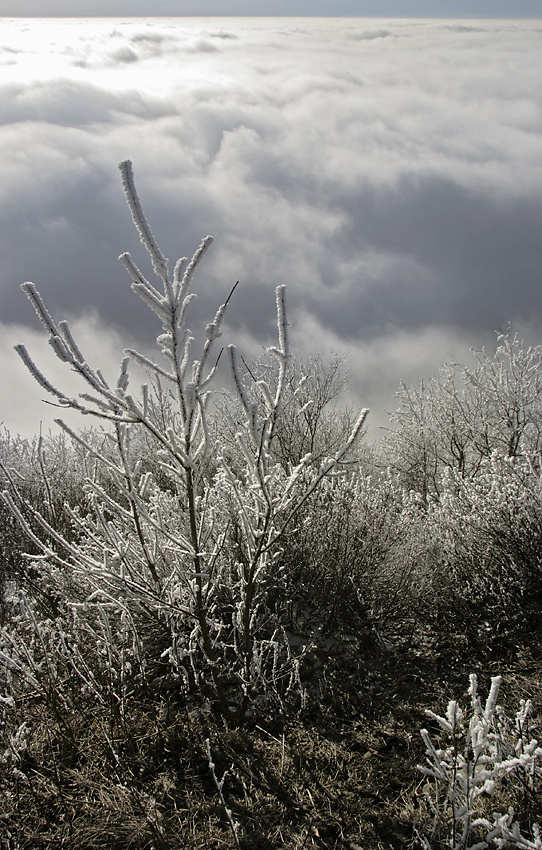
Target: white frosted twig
[[358, 425], [156, 302], [37, 302], [327, 467], [192, 266], [178, 273], [85, 366], [40, 378], [145, 361], [282, 353], [177, 449], [208, 378], [180, 311], [22, 669], [185, 344], [237, 379], [124, 378], [67, 334], [135, 273], [59, 347], [282, 322], [266, 392], [145, 399], [134, 408], [294, 476], [72, 549], [14, 508], [212, 333], [158, 260], [491, 702], [94, 489], [505, 832], [105, 406], [86, 445], [66, 349]]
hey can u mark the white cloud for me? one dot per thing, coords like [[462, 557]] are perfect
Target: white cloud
[[389, 172]]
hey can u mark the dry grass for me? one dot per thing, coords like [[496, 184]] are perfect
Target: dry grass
[[341, 776]]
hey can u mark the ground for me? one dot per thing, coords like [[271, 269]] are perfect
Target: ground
[[340, 775]]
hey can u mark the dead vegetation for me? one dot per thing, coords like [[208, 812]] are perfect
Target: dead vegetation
[[340, 775]]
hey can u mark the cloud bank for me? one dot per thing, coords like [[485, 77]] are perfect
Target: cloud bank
[[389, 172]]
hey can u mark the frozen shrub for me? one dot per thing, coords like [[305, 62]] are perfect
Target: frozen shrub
[[462, 416], [479, 751], [46, 472], [493, 526], [196, 560], [363, 560]]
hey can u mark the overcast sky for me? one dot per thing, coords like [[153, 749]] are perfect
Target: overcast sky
[[376, 8], [389, 172]]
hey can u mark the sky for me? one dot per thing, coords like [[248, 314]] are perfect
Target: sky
[[314, 8], [389, 172]]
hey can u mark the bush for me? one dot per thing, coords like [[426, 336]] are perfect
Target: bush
[[484, 757], [192, 565], [463, 416]]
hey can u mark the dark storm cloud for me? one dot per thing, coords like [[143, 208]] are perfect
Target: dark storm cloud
[[390, 173], [447, 257]]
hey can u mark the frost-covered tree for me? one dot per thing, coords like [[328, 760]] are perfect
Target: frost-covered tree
[[181, 552]]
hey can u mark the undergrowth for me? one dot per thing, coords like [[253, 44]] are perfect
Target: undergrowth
[[78, 774]]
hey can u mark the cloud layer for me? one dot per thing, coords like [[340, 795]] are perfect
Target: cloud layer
[[389, 172]]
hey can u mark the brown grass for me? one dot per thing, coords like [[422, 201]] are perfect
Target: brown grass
[[340, 776]]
